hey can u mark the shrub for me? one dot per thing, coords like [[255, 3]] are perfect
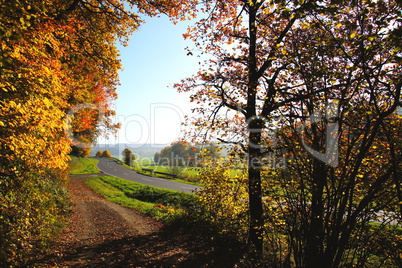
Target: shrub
[[32, 213], [106, 154]]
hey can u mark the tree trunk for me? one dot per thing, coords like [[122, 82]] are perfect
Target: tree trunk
[[315, 233], [255, 190]]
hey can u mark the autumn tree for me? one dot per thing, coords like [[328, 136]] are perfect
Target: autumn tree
[[176, 154], [336, 221], [157, 157], [128, 157], [58, 74], [106, 154], [211, 149], [346, 179], [99, 154], [273, 61], [82, 151]]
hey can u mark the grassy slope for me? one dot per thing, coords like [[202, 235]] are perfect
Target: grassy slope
[[160, 204], [83, 166], [189, 175]]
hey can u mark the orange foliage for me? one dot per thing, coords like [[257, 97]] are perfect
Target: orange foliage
[[54, 56]]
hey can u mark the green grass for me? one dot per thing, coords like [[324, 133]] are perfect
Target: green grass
[[160, 204], [83, 165], [189, 175]]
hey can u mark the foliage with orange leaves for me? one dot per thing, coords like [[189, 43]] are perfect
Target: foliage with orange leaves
[[55, 56]]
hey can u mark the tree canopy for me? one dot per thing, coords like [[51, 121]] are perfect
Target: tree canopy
[[274, 67], [128, 157]]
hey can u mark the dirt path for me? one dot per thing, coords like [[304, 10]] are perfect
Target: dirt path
[[104, 234]]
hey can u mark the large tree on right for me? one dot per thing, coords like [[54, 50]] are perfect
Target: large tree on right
[[326, 76]]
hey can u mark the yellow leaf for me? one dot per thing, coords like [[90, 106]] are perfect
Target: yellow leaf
[[47, 102]]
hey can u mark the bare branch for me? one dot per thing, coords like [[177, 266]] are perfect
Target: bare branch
[[234, 142]]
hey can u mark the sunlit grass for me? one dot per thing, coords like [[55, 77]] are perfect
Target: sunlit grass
[[160, 204], [83, 166]]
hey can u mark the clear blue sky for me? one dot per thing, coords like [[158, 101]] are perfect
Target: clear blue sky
[[148, 107]]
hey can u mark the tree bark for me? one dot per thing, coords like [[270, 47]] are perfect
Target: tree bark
[[315, 233], [255, 189]]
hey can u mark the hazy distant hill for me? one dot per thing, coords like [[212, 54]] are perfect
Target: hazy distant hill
[[143, 150]]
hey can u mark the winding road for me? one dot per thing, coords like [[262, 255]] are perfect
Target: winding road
[[112, 168]]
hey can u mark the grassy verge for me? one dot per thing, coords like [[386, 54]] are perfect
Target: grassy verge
[[160, 204], [182, 177], [83, 166], [188, 175]]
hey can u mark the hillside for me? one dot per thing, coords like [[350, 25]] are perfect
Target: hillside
[[143, 150]]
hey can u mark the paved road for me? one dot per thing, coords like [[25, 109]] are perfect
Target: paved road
[[112, 168]]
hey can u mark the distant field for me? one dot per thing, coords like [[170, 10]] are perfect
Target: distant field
[[188, 174], [145, 161]]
